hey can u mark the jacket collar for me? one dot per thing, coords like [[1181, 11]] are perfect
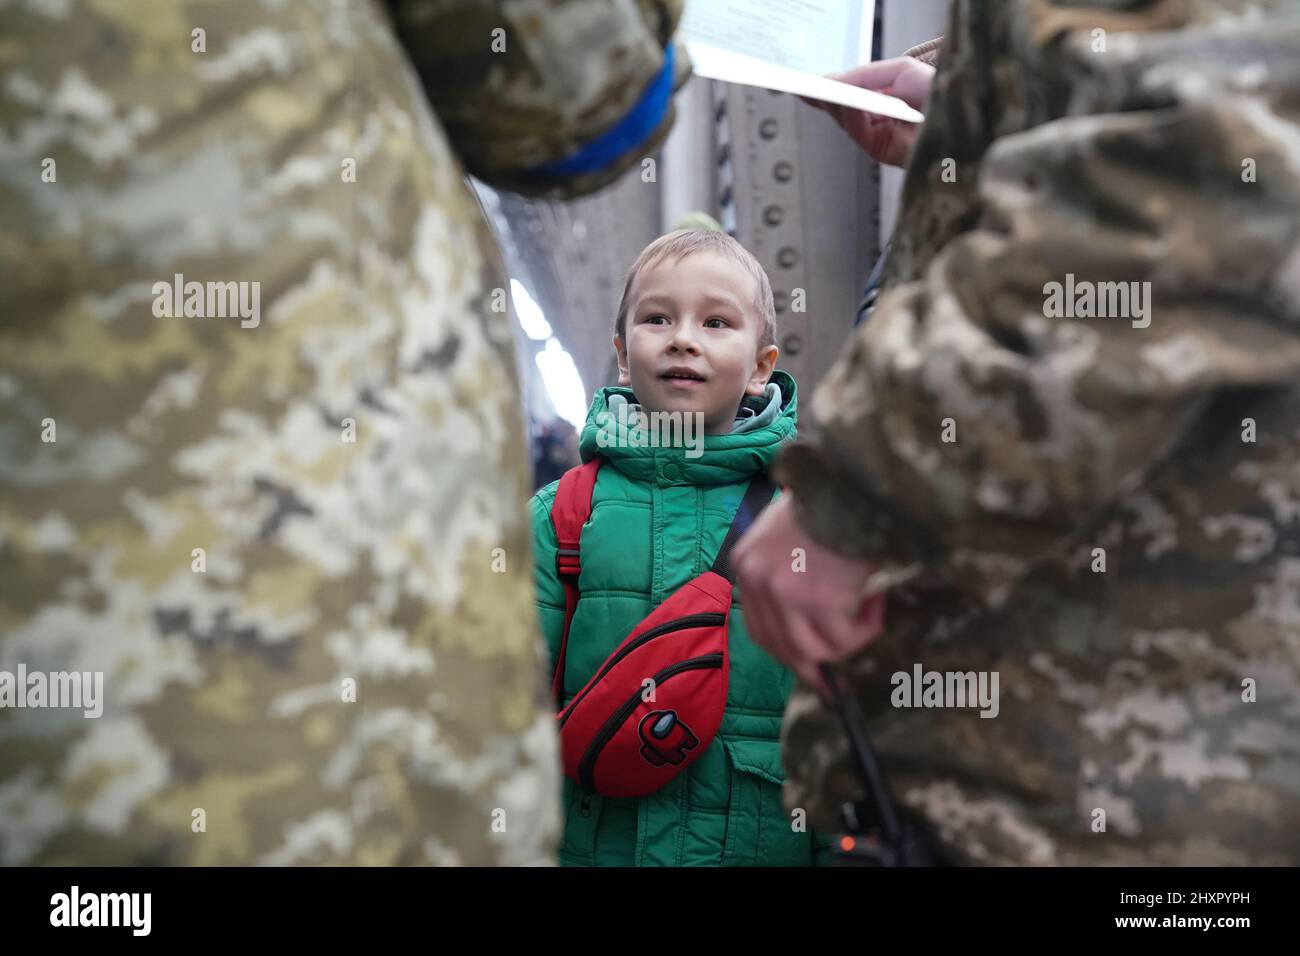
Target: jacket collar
[[695, 459]]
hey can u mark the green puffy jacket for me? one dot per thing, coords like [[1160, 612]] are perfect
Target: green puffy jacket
[[658, 518]]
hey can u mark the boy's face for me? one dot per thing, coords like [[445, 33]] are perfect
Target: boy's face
[[692, 339]]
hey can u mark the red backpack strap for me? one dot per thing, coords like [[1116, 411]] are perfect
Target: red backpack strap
[[569, 512]]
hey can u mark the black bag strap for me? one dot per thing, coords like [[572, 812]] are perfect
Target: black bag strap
[[876, 816], [757, 497]]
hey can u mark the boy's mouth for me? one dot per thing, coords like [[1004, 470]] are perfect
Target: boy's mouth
[[679, 376]]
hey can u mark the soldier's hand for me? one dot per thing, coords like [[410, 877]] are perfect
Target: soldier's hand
[[885, 139], [803, 606]]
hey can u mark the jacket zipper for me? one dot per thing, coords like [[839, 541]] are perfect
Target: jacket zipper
[[680, 624], [587, 766]]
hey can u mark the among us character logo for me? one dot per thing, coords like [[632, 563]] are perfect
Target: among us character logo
[[665, 738]]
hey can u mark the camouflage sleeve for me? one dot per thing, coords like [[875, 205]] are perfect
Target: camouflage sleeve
[[262, 468], [550, 592], [547, 97], [1135, 257]]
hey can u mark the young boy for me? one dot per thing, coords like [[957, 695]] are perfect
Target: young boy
[[695, 339]]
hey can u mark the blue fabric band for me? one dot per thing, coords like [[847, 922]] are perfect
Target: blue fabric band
[[631, 131]]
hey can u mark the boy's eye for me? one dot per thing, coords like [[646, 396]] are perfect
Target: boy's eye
[[722, 323], [655, 319]]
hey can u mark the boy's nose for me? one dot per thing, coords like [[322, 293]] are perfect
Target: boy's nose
[[683, 339]]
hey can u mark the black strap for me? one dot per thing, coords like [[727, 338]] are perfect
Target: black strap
[[757, 497], [901, 842]]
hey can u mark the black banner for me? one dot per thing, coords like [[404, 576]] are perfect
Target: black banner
[[334, 906]]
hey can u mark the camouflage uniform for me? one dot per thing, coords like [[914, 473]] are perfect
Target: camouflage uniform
[[1171, 157], [298, 151]]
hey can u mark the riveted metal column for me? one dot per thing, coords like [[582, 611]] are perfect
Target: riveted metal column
[[769, 213], [805, 203]]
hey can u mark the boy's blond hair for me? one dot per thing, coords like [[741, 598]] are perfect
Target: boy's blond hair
[[685, 242]]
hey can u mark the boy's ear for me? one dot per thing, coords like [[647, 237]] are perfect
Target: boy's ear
[[763, 369], [624, 372]]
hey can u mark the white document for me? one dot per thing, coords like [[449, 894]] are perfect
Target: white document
[[788, 45], [815, 36]]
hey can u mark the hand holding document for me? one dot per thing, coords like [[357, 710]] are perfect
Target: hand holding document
[[718, 64], [887, 140]]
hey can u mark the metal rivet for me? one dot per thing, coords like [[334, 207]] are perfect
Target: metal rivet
[[792, 344], [779, 300], [787, 257], [773, 215], [767, 129], [783, 171]]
